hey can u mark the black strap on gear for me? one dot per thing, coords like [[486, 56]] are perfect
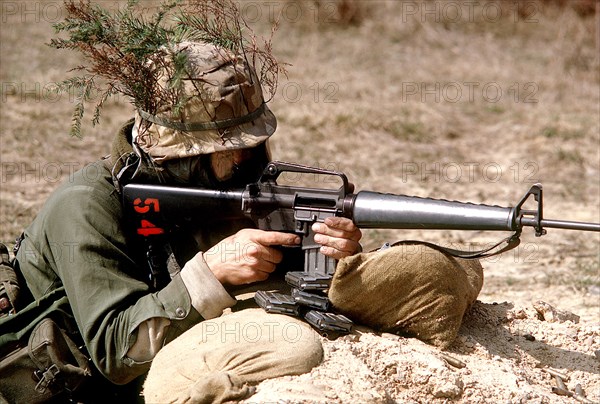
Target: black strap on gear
[[162, 264]]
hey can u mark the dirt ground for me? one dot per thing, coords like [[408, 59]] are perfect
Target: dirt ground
[[471, 101]]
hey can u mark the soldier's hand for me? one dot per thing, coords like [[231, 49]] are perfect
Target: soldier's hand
[[247, 256], [338, 236]]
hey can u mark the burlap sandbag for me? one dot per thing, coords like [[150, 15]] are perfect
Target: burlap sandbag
[[408, 289], [214, 361]]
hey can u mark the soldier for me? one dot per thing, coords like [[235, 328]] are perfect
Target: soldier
[[78, 245], [96, 285]]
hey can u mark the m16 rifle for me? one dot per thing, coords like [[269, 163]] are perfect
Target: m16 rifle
[[157, 210]]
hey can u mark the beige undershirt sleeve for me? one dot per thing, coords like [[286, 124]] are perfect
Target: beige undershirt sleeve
[[150, 336], [208, 296]]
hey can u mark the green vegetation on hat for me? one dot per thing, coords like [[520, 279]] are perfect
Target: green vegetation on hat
[[125, 50]]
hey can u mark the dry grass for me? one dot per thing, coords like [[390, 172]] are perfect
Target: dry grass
[[372, 92]]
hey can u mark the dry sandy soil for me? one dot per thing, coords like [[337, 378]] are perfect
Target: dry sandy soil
[[471, 101]]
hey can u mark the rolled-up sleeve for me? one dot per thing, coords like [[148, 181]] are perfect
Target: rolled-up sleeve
[[208, 296]]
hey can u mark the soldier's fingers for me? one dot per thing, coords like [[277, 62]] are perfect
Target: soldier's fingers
[[339, 244], [269, 238], [342, 223], [256, 252], [323, 228], [264, 267], [334, 253], [250, 275]]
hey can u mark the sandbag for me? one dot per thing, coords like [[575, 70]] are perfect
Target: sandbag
[[409, 289], [218, 360]]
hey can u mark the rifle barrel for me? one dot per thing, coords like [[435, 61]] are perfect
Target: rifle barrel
[[561, 224], [376, 210]]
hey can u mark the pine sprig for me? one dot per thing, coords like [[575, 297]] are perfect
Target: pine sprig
[[129, 50]]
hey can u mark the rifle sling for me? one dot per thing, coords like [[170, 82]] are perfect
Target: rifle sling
[[511, 242]]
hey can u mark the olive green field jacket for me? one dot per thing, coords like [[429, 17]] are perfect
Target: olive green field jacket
[[77, 242]]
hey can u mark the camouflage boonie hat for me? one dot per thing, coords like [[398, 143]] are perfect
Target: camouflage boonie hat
[[225, 111]]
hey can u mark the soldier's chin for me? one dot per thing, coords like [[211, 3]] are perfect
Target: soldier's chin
[[223, 177]]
